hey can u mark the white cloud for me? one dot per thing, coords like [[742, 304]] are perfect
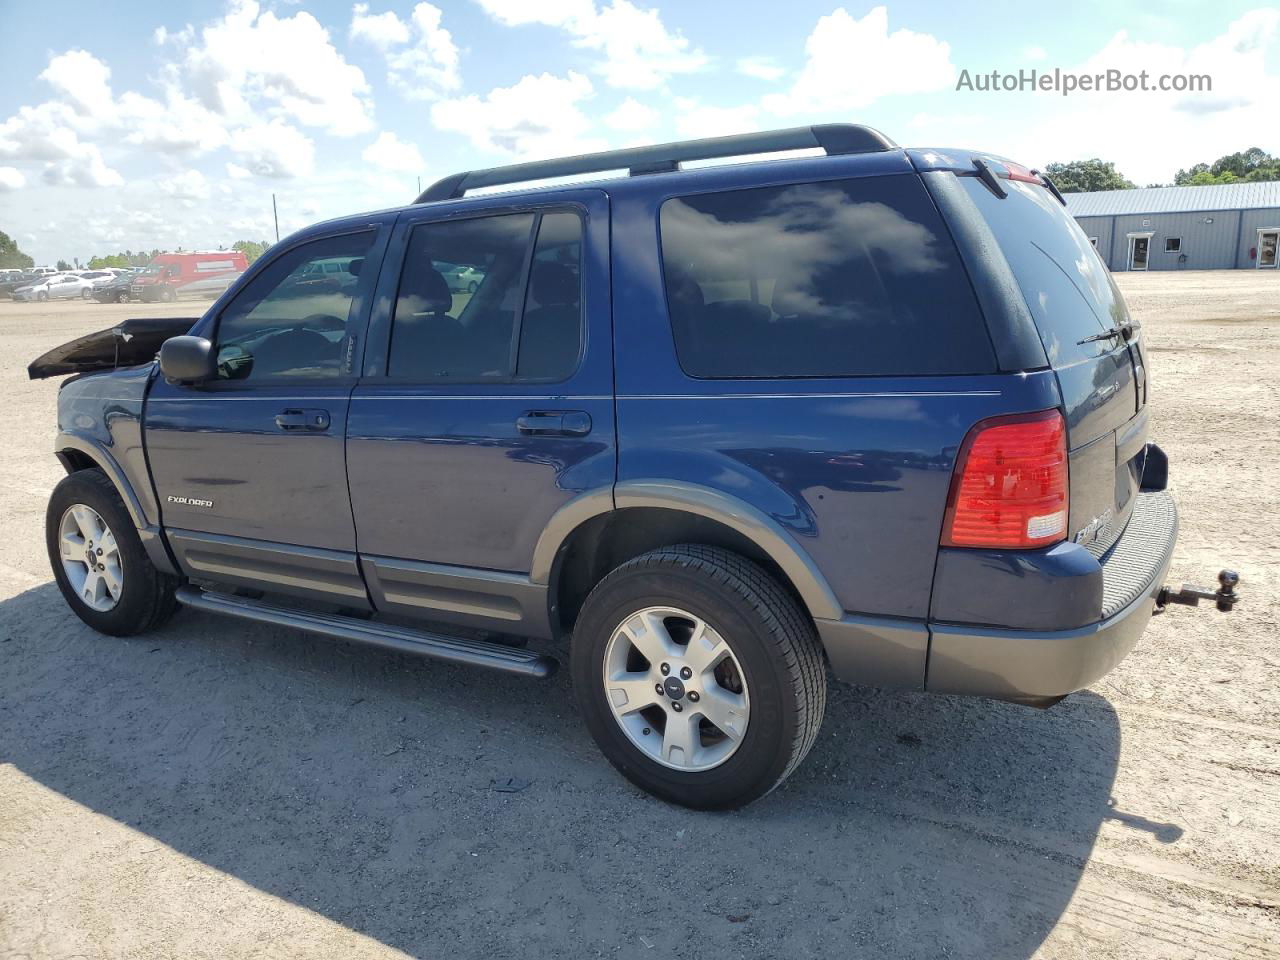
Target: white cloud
[[762, 68], [383, 30], [422, 59], [637, 49], [46, 135], [190, 185], [237, 172], [389, 152], [1033, 54], [248, 63], [632, 115], [11, 178], [275, 150], [540, 116], [82, 80], [695, 119], [851, 63], [85, 169]]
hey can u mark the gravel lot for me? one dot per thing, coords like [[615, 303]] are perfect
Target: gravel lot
[[217, 790]]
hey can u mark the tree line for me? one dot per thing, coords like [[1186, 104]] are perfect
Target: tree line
[[1084, 176]]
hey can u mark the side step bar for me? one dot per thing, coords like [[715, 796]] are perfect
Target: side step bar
[[474, 653]]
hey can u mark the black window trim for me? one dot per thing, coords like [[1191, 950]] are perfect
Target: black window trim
[[359, 303], [1169, 240], [510, 380]]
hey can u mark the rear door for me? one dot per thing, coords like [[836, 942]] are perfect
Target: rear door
[[486, 406], [1080, 316]]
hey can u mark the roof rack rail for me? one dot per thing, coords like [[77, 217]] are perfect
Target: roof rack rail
[[834, 138]]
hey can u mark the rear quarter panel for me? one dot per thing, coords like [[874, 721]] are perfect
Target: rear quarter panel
[[855, 469]]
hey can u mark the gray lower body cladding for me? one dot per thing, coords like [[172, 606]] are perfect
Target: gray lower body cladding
[[1059, 648]]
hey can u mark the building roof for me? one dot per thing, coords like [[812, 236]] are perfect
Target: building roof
[[1223, 196]]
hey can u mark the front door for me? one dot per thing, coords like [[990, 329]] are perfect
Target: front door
[[250, 468], [1267, 241], [1138, 250], [487, 403]]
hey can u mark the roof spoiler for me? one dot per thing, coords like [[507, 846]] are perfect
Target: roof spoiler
[[834, 138]]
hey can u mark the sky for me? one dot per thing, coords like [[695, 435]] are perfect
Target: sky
[[166, 125]]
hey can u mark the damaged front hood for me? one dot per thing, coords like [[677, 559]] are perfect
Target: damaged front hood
[[124, 345]]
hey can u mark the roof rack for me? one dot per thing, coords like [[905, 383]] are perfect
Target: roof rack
[[834, 138]]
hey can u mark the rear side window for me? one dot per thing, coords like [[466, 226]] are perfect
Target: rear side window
[[490, 299], [1067, 287], [833, 279]]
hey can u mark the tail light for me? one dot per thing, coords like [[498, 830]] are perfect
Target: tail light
[[1009, 489]]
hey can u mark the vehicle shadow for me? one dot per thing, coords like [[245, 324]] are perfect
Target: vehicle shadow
[[439, 809]]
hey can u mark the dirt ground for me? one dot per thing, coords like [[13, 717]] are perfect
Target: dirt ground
[[216, 790]]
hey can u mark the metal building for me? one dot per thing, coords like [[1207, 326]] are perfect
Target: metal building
[[1232, 225]]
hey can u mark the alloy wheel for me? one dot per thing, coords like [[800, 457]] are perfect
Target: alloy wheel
[[90, 557], [676, 689]]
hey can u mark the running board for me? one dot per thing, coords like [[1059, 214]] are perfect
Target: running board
[[473, 653]]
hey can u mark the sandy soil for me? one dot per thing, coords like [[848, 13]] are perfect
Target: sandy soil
[[220, 791]]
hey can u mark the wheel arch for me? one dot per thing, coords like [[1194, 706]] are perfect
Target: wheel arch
[[76, 452], [597, 531]]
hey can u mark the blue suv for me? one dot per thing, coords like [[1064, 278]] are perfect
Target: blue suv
[[880, 413]]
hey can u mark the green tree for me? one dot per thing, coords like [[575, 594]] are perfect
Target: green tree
[[1254, 164], [252, 249], [62, 265], [11, 257], [1086, 176]]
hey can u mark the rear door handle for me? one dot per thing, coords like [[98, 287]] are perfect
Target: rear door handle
[[304, 419], [562, 423]]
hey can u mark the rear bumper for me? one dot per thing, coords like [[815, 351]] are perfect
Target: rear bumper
[[1040, 666]]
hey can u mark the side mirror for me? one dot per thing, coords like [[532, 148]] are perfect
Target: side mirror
[[187, 360]]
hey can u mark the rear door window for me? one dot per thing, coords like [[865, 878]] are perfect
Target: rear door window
[[833, 279], [490, 299]]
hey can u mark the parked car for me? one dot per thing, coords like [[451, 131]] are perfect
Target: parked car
[[96, 278], [58, 286], [463, 278], [713, 433], [11, 280], [171, 276], [115, 290]]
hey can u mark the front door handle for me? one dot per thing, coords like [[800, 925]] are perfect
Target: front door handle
[[551, 423], [295, 419]]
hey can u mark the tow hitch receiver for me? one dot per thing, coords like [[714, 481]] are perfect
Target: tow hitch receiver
[[1224, 597]]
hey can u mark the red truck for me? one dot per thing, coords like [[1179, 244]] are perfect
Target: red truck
[[173, 275]]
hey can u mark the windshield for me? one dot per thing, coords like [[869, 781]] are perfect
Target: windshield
[[152, 270]]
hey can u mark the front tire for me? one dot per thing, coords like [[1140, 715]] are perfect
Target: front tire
[[86, 294], [752, 682], [167, 295], [42, 296], [98, 559]]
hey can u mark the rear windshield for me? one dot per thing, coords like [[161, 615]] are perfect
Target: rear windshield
[[832, 279], [1067, 287]]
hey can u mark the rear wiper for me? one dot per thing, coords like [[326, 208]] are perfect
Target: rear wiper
[[1123, 332]]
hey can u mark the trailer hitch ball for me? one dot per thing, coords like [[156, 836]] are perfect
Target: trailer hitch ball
[[1225, 597], [1227, 589]]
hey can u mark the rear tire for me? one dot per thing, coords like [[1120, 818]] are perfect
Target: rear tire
[[144, 598], [697, 600]]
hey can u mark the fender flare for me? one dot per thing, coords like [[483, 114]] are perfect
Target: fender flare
[[756, 526], [102, 458], [152, 538]]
